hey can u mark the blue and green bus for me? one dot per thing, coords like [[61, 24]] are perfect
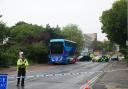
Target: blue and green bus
[[62, 51]]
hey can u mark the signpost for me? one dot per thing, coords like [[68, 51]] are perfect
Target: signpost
[[3, 81]]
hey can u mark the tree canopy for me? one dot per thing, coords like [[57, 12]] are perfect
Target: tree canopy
[[22, 30], [33, 40], [114, 22], [3, 31], [72, 32]]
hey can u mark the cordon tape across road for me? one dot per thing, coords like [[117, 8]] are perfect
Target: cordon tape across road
[[65, 74], [90, 82]]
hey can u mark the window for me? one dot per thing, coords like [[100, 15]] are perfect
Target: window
[[56, 47]]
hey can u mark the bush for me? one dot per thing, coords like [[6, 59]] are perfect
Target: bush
[[12, 54], [8, 56], [37, 52], [8, 59]]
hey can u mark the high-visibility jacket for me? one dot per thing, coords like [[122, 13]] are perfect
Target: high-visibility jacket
[[92, 56], [22, 63]]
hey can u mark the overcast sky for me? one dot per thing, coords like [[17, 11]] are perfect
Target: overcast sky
[[84, 13]]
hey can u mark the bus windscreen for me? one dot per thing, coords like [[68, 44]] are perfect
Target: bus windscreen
[[56, 47]]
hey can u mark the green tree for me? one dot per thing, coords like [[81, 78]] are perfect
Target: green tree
[[29, 38], [114, 23], [4, 33], [109, 46], [54, 32], [23, 30], [36, 52], [97, 45], [103, 46], [72, 32]]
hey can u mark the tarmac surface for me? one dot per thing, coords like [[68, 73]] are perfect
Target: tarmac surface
[[116, 79], [73, 76]]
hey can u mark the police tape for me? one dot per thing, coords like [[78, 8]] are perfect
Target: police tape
[[64, 74]]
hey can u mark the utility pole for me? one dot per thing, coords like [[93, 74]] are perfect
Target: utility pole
[[0, 16], [127, 51]]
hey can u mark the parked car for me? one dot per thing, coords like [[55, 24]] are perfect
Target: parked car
[[84, 58], [102, 58], [105, 58], [120, 58], [114, 58], [98, 58]]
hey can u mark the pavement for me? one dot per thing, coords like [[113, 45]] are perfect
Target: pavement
[[116, 79]]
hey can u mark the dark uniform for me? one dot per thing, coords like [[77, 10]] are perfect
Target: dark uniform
[[22, 64]]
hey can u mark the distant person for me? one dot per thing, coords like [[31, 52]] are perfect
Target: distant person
[[22, 65]]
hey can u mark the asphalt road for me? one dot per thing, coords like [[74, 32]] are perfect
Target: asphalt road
[[72, 76]]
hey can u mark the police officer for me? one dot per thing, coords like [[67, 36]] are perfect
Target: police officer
[[22, 65]]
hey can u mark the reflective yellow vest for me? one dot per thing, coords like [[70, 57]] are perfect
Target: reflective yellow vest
[[92, 56], [22, 63]]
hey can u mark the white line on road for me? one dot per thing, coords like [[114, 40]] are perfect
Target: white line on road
[[93, 80]]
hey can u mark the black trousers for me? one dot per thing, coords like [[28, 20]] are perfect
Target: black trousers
[[21, 73]]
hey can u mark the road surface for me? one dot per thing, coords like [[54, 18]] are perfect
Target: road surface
[[72, 76]]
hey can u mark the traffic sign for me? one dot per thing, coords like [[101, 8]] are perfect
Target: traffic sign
[[3, 81]]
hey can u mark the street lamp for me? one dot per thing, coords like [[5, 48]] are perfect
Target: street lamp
[[126, 42], [0, 16]]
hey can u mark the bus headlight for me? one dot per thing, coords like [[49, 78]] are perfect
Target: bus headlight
[[60, 58]]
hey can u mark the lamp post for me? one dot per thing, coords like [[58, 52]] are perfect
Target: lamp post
[[126, 42], [127, 51], [0, 16]]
